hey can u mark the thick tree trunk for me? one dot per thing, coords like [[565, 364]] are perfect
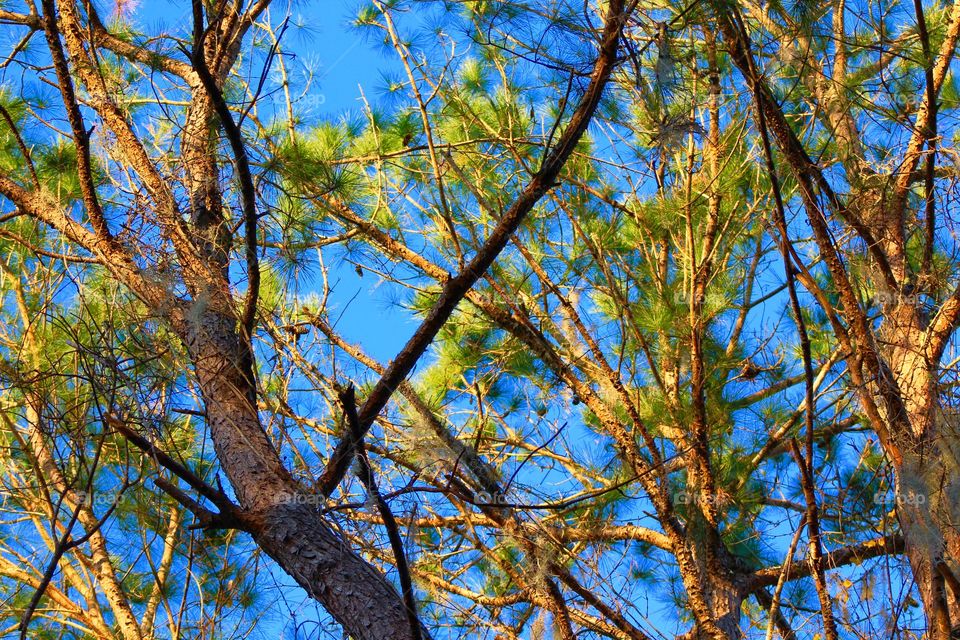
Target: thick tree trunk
[[926, 468], [927, 503], [725, 602], [287, 527], [710, 575]]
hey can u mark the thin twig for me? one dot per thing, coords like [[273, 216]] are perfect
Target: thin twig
[[215, 496]]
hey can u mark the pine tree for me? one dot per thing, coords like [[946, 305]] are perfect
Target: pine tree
[[677, 282]]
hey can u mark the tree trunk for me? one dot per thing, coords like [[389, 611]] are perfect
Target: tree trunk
[[926, 505], [926, 468], [725, 602], [709, 573], [897, 366], [287, 526]]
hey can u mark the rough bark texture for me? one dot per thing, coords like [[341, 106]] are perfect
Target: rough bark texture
[[928, 472], [348, 587], [292, 532], [721, 589], [287, 525]]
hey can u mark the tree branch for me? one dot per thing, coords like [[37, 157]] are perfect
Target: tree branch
[[239, 148], [217, 497], [457, 287], [81, 136], [365, 473], [935, 75], [853, 554]]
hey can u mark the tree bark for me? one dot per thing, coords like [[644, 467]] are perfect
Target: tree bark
[[927, 472], [287, 525]]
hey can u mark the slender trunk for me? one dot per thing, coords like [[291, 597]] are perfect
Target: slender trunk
[[100, 559], [898, 389], [170, 541]]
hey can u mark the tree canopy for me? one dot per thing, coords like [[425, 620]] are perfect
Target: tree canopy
[[607, 319]]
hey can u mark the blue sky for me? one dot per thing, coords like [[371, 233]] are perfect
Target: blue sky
[[347, 66]]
